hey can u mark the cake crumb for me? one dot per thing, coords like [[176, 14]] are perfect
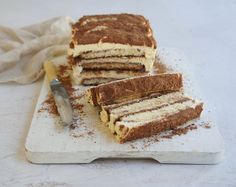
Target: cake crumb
[[207, 126]]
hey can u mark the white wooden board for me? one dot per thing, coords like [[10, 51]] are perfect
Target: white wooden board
[[49, 142]]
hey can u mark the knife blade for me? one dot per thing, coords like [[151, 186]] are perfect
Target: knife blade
[[59, 94]]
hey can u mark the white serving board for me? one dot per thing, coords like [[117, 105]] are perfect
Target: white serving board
[[49, 142]]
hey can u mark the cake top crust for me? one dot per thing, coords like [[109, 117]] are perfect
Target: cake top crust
[[135, 88], [125, 29]]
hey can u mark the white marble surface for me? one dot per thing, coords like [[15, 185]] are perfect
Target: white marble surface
[[204, 30]]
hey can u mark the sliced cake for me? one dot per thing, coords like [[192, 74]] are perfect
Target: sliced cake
[[134, 88], [144, 106], [148, 116], [122, 44]]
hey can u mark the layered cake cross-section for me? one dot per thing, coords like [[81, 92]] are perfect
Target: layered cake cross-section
[[144, 106], [134, 88], [149, 116], [110, 47]]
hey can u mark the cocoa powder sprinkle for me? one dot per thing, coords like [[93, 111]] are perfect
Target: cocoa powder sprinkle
[[49, 105], [168, 135], [159, 67]]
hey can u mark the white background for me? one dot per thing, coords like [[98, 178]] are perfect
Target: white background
[[204, 30]]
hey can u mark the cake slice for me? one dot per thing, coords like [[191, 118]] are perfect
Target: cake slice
[[110, 113], [162, 117], [154, 109], [133, 88], [113, 42]]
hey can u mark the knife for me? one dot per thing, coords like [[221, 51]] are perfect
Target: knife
[[59, 93]]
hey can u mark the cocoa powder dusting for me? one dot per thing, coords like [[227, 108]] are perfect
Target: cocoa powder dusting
[[77, 97], [180, 131], [159, 68], [207, 126], [63, 69], [75, 135], [63, 74], [90, 133], [49, 105], [78, 107], [87, 134], [168, 135]]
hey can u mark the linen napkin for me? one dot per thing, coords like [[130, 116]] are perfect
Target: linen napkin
[[23, 50]]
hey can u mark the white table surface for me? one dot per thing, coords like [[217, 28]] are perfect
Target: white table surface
[[204, 30]]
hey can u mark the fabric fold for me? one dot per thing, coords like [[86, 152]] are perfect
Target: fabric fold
[[23, 51]]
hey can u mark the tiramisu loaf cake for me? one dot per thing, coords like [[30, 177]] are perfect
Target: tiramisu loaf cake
[[144, 106], [148, 116], [133, 88], [110, 47]]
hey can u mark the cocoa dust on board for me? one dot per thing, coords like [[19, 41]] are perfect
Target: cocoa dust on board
[[49, 105], [159, 67], [168, 135], [206, 125], [64, 72], [180, 131], [81, 135]]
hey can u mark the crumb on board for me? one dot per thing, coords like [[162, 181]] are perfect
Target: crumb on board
[[85, 134], [207, 126]]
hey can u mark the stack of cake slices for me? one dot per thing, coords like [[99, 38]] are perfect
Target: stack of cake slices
[[105, 48], [144, 106]]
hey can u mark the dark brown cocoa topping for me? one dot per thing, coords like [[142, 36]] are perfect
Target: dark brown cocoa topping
[[113, 28], [137, 87]]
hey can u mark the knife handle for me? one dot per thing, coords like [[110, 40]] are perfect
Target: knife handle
[[50, 70]]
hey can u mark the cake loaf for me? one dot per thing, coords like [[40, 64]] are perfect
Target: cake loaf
[[113, 43], [143, 106], [149, 116], [133, 88]]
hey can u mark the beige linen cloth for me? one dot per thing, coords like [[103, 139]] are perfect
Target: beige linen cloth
[[23, 50]]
